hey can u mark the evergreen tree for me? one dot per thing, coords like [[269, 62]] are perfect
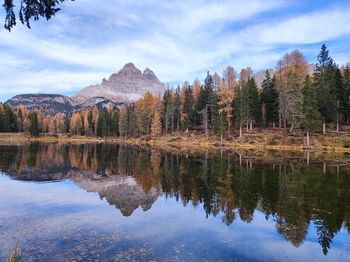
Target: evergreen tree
[[341, 94], [115, 122], [102, 124], [167, 110], [9, 120], [311, 120], [177, 110], [206, 104], [2, 117], [187, 111], [34, 128], [131, 121], [269, 100], [324, 83], [253, 102], [346, 76]]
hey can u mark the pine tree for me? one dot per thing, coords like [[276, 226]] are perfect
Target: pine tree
[[177, 110], [341, 94], [187, 108], [324, 83], [167, 110], [269, 100], [115, 122], [311, 118], [2, 110], [207, 99], [101, 129], [253, 102], [34, 128], [346, 76]]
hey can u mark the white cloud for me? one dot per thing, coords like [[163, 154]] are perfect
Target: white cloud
[[177, 39]]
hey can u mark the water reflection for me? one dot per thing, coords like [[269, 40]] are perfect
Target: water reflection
[[294, 192]]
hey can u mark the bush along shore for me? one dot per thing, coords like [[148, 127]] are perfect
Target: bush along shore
[[290, 109]]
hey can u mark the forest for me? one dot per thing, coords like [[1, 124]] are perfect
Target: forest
[[290, 99]]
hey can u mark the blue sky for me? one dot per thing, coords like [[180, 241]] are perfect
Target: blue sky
[[179, 40]]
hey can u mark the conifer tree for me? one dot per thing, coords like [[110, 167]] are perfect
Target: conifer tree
[[341, 94], [187, 108], [34, 128], [177, 110], [254, 106], [167, 110], [115, 122], [269, 100], [324, 83], [102, 124], [311, 118], [346, 76]]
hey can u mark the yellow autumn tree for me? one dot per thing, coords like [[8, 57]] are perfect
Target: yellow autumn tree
[[95, 115], [76, 124], [156, 127], [226, 97]]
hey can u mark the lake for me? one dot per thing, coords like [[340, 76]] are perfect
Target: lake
[[105, 202]]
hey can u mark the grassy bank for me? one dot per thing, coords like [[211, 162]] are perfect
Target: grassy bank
[[261, 139]]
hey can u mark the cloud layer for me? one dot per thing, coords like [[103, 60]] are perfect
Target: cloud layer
[[179, 40]]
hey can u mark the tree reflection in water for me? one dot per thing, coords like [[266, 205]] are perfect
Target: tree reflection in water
[[292, 190]]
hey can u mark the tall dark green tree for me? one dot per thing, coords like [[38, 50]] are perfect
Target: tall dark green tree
[[341, 94], [206, 104], [269, 100], [167, 113], [102, 127], [254, 104], [9, 119], [177, 110], [115, 122], [346, 76], [34, 126], [187, 109], [311, 120], [324, 83]]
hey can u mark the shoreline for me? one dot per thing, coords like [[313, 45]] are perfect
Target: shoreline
[[193, 141]]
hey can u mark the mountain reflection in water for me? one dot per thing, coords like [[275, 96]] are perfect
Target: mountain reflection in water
[[289, 189]]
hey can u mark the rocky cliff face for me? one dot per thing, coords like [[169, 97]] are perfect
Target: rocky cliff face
[[128, 85]]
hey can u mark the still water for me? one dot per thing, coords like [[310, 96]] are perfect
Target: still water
[[108, 202]]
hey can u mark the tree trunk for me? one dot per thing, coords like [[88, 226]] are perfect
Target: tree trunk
[[324, 127], [251, 125], [240, 130], [284, 128], [273, 125], [337, 123], [221, 137], [291, 128], [247, 125], [307, 138]]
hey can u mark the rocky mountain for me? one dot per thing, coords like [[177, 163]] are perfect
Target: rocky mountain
[[126, 86]]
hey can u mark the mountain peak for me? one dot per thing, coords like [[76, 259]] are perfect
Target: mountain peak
[[128, 85]]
